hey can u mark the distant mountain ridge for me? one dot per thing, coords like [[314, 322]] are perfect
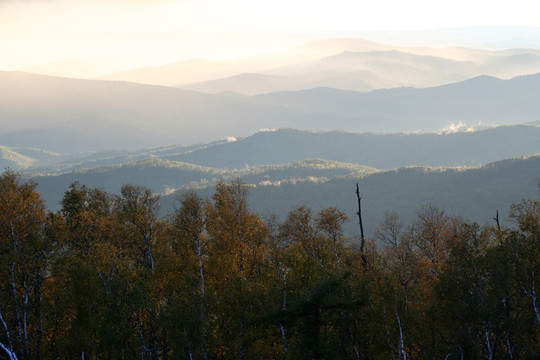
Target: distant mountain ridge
[[61, 114], [186, 71], [382, 68], [275, 147], [402, 109], [343, 63], [382, 151], [35, 102]]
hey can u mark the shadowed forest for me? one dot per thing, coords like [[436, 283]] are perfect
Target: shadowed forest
[[106, 277]]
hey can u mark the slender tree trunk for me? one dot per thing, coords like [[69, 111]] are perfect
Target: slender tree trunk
[[38, 282], [535, 305], [241, 347], [388, 336], [532, 295], [355, 347], [8, 349], [509, 347], [25, 318], [284, 339], [509, 342], [141, 335], [284, 307], [317, 335], [496, 218], [488, 343], [16, 308], [190, 350], [362, 238], [202, 308], [401, 342]]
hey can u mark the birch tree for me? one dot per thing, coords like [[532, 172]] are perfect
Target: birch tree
[[24, 254]]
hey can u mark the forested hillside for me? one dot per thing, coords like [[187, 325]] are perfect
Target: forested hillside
[[106, 276], [381, 151], [473, 192]]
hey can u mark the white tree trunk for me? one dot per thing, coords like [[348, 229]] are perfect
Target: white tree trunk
[[9, 351], [488, 344], [202, 310], [402, 353], [532, 295]]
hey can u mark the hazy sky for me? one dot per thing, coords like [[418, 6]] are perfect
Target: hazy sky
[[34, 31]]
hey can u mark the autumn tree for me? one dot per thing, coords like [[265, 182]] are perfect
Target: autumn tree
[[137, 212], [24, 256], [237, 250], [187, 311], [92, 277]]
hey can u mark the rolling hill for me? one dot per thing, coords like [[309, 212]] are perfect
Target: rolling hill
[[163, 176], [474, 193]]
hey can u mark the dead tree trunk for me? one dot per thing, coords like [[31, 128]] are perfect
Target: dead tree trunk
[[362, 238], [496, 218]]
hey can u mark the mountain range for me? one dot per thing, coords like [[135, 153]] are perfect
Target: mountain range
[[411, 125], [277, 147], [455, 171], [74, 115], [341, 63]]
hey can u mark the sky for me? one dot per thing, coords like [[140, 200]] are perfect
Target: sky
[[36, 32]]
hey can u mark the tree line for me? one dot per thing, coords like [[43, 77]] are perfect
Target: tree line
[[105, 277]]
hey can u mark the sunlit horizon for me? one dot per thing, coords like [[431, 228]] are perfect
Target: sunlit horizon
[[127, 34]]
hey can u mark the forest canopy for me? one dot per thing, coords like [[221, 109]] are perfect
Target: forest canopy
[[107, 277]]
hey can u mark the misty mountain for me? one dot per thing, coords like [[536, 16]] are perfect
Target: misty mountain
[[20, 158], [248, 84], [82, 67], [194, 71], [35, 102], [342, 63], [382, 151], [71, 115], [349, 71], [85, 134], [10, 158], [379, 69], [483, 99], [182, 72]]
